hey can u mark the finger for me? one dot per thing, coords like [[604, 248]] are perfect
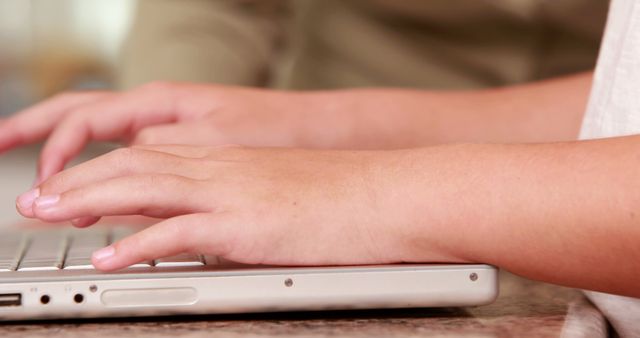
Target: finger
[[188, 133], [35, 123], [146, 195], [189, 233], [116, 117], [122, 162], [84, 222]]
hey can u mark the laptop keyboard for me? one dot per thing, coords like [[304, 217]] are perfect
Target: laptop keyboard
[[71, 250]]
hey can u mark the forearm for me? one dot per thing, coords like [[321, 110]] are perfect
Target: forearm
[[543, 111], [565, 213]]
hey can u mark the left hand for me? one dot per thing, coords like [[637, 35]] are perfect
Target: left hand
[[257, 206]]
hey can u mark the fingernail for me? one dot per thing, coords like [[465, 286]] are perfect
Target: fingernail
[[26, 200], [45, 202], [104, 254]]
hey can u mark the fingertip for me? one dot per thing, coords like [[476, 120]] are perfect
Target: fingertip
[[46, 208], [28, 213], [25, 202], [105, 259], [84, 222]]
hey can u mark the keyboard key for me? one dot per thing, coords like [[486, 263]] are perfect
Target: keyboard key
[[82, 245], [145, 264], [12, 246], [40, 265], [45, 251], [180, 260], [78, 264], [119, 233]]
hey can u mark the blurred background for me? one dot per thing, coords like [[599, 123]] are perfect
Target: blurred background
[[48, 46]]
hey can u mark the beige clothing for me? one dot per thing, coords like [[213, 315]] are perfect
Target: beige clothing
[[312, 44]]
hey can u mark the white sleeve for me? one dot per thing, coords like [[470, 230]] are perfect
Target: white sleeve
[[614, 105]]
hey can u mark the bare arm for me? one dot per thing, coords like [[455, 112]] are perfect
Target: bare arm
[[565, 213], [544, 111]]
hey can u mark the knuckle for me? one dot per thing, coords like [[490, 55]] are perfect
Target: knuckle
[[126, 158], [122, 154]]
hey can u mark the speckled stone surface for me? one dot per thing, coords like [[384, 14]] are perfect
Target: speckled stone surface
[[524, 309]]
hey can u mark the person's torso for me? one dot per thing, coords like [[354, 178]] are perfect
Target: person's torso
[[449, 44]]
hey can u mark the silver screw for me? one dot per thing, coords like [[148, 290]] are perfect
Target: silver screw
[[288, 282], [473, 277]]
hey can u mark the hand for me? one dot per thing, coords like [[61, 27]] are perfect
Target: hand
[[159, 113], [268, 206], [170, 113]]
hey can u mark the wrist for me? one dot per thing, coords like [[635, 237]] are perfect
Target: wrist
[[437, 200], [324, 120], [366, 119]]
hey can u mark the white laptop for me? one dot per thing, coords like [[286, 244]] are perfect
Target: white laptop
[[48, 275]]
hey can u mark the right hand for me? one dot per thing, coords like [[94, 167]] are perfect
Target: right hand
[[272, 206], [163, 113]]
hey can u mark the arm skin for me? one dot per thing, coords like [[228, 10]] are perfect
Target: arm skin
[[564, 213], [544, 111]]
